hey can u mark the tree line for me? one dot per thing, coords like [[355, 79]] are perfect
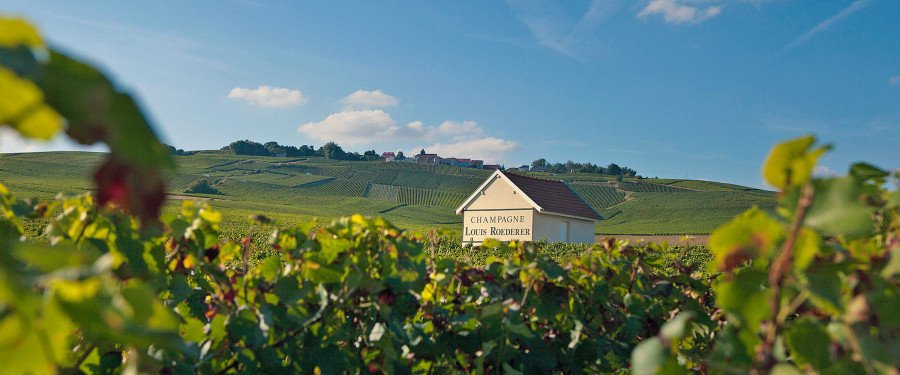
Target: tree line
[[329, 150], [542, 165]]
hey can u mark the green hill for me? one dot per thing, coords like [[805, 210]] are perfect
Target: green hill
[[411, 195]]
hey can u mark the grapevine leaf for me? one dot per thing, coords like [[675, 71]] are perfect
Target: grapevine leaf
[[823, 282], [22, 107], [785, 369], [22, 351], [791, 163], [676, 328], [808, 342], [806, 248], [866, 171], [748, 236], [838, 207], [15, 32], [649, 357], [744, 297]]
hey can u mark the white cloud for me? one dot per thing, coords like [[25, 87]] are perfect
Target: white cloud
[[353, 127], [824, 171], [676, 12], [452, 130], [894, 81], [12, 142], [464, 139], [362, 99], [826, 24], [374, 125], [268, 96], [489, 149]]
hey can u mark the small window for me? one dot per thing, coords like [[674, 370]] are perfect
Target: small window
[[564, 231]]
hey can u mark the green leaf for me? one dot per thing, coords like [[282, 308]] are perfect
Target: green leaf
[[22, 107], [806, 248], [750, 235], [866, 171], [791, 163], [22, 351], [824, 283], [96, 111], [270, 268], [16, 32], [192, 330], [838, 208], [490, 243], [785, 369], [676, 328], [809, 342], [649, 357], [744, 297]]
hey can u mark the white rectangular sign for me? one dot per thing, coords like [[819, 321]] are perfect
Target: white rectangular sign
[[504, 225]]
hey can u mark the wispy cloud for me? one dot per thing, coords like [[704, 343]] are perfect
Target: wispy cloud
[[677, 12], [167, 43], [894, 81], [268, 96], [551, 27], [826, 24]]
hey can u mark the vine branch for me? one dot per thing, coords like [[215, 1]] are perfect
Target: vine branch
[[777, 272]]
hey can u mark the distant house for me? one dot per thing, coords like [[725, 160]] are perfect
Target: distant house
[[388, 156], [523, 167], [492, 167], [477, 163], [427, 159], [281, 155]]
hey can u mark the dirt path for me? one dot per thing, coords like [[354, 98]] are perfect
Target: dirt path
[[186, 198], [699, 239]]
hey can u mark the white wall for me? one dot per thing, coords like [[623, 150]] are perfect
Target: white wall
[[547, 227]]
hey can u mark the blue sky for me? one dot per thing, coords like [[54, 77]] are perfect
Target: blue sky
[[671, 88]]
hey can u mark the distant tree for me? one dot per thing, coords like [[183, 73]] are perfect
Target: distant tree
[[201, 186], [422, 152], [539, 164], [613, 169], [305, 150], [174, 151], [619, 177], [400, 156], [331, 150], [274, 148], [247, 147]]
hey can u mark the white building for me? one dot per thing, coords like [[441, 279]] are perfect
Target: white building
[[509, 206]]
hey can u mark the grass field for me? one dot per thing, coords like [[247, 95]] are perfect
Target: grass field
[[414, 196]]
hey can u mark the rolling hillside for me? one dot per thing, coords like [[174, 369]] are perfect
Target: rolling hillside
[[411, 195]]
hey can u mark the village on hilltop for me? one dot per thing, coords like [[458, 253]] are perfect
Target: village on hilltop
[[425, 158]]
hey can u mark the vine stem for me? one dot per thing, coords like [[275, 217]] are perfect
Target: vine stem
[[84, 356], [780, 267]]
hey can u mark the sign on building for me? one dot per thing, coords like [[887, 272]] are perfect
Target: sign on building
[[509, 206]]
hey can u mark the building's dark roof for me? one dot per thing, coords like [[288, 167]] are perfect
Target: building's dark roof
[[553, 196]]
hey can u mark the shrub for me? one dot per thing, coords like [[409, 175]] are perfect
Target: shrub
[[201, 186]]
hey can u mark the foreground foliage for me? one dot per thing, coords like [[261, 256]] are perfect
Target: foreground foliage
[[813, 289], [115, 287], [357, 294]]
